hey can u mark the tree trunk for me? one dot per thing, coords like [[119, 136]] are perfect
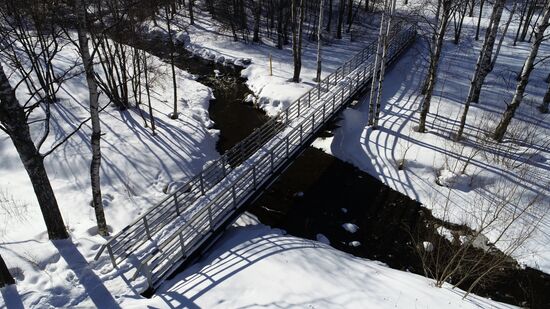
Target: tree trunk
[[481, 3], [504, 32], [544, 107], [95, 165], [434, 63], [383, 65], [375, 68], [297, 32], [13, 119], [483, 64], [341, 10], [319, 41], [329, 21], [169, 15], [191, 15], [485, 57], [257, 19], [5, 276], [148, 91], [510, 111]]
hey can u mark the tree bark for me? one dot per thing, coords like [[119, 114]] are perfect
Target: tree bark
[[14, 122], [329, 21], [319, 41], [503, 36], [191, 15], [169, 16], [545, 106], [375, 68], [5, 277], [510, 111], [297, 32], [383, 65], [341, 10], [257, 19], [95, 165], [434, 63], [481, 3]]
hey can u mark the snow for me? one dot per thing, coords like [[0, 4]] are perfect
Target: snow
[[257, 266], [350, 227], [454, 179], [252, 265], [137, 170]]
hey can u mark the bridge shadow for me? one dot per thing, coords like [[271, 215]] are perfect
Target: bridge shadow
[[247, 246]]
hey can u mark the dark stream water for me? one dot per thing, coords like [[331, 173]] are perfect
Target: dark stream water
[[318, 193]]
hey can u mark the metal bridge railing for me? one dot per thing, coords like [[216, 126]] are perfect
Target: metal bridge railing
[[224, 185]]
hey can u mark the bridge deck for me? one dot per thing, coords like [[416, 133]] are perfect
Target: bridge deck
[[164, 237]]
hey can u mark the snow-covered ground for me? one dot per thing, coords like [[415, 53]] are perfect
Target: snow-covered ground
[[252, 265], [137, 168], [516, 172], [272, 93]]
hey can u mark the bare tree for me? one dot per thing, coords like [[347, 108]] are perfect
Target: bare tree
[[528, 66], [483, 64], [319, 41], [14, 122], [87, 61], [503, 36], [446, 10], [297, 34], [169, 14], [481, 4]]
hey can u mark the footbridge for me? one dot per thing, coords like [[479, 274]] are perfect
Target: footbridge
[[177, 230]]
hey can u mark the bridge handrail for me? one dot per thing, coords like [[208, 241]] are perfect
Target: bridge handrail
[[232, 156], [266, 162]]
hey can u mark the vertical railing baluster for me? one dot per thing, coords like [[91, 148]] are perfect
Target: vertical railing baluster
[[111, 255], [146, 225], [201, 180], [176, 204]]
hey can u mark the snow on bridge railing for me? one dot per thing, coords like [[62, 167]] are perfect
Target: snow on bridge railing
[[176, 205], [246, 179]]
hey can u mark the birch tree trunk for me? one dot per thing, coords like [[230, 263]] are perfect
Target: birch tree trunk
[[503, 36], [319, 41], [5, 276], [375, 68], [297, 33], [483, 64], [95, 165], [446, 9], [383, 65], [169, 16], [511, 108], [14, 123]]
